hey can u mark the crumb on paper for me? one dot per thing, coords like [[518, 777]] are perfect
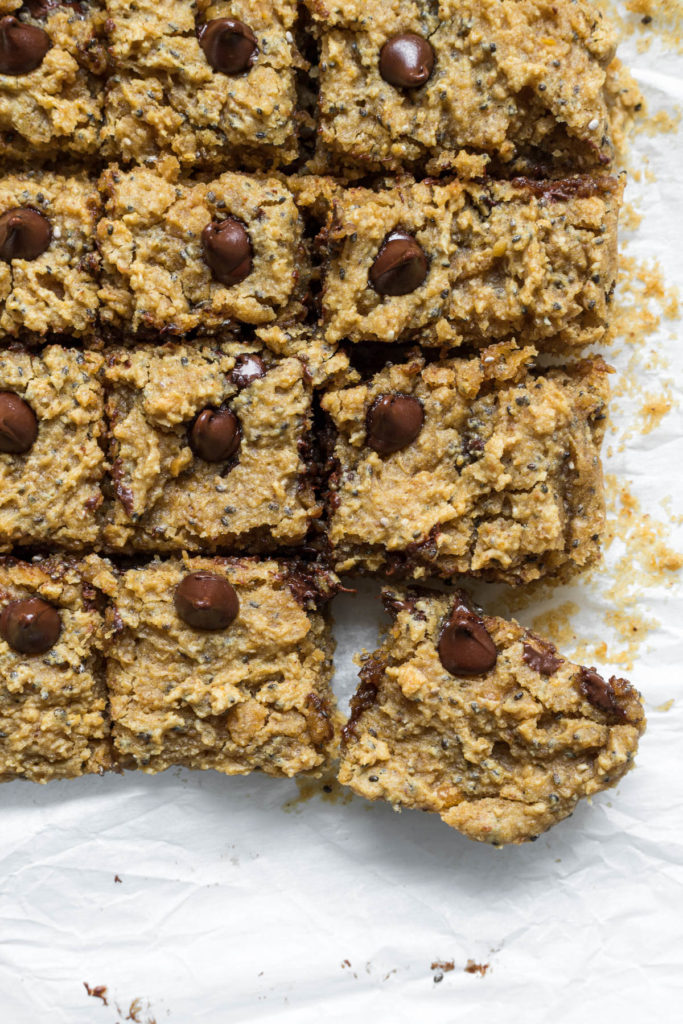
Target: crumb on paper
[[667, 705], [326, 787], [117, 878], [472, 967], [97, 992], [649, 20], [346, 963]]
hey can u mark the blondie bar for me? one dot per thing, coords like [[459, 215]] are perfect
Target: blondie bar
[[222, 663], [472, 261], [52, 59], [502, 457], [181, 256], [410, 84], [208, 448], [479, 720], [48, 257], [51, 460], [208, 82], [54, 721]]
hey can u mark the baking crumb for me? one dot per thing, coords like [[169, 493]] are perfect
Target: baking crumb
[[471, 967], [117, 879], [97, 992]]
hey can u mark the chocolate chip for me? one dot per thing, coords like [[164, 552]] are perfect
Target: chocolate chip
[[541, 658], [30, 627], [18, 424], [25, 234], [465, 646], [248, 368], [22, 47], [230, 45], [205, 600], [215, 435], [227, 250], [602, 694], [406, 60], [400, 267], [393, 422]]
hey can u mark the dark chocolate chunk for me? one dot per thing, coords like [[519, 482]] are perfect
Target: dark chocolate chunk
[[393, 422], [216, 435], [25, 234], [541, 657], [22, 46], [230, 45], [400, 267], [204, 600], [248, 368], [406, 60], [30, 627], [18, 424], [465, 645], [602, 694], [227, 250]]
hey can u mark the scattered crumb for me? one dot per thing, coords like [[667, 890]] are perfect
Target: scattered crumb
[[326, 787], [136, 1009], [443, 965], [346, 963], [97, 992], [116, 878], [667, 705], [649, 20], [471, 967]]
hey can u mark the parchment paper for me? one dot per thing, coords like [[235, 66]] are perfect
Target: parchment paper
[[234, 906]]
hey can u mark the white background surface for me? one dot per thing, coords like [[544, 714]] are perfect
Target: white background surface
[[233, 907]]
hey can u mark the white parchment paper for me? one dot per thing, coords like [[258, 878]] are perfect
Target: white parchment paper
[[239, 901]]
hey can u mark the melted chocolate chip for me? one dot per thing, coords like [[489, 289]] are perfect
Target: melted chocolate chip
[[227, 250], [22, 47], [30, 627], [364, 697], [248, 368], [541, 658], [230, 46], [393, 422], [465, 646], [602, 694], [400, 267], [406, 60], [204, 600], [18, 424], [215, 435], [25, 234]]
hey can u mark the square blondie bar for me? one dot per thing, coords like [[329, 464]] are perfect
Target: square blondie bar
[[410, 84], [209, 448], [222, 663], [52, 461], [444, 263], [208, 82], [54, 721], [52, 63], [48, 254], [183, 256], [479, 720], [486, 466]]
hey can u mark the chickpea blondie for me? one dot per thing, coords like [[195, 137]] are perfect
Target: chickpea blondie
[[183, 256], [212, 83], [472, 261], [54, 720], [410, 84], [52, 462], [209, 448], [479, 720], [48, 255], [486, 466], [222, 663], [52, 63]]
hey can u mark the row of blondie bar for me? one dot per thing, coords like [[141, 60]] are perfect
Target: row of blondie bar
[[251, 82], [226, 664], [438, 262], [225, 446]]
